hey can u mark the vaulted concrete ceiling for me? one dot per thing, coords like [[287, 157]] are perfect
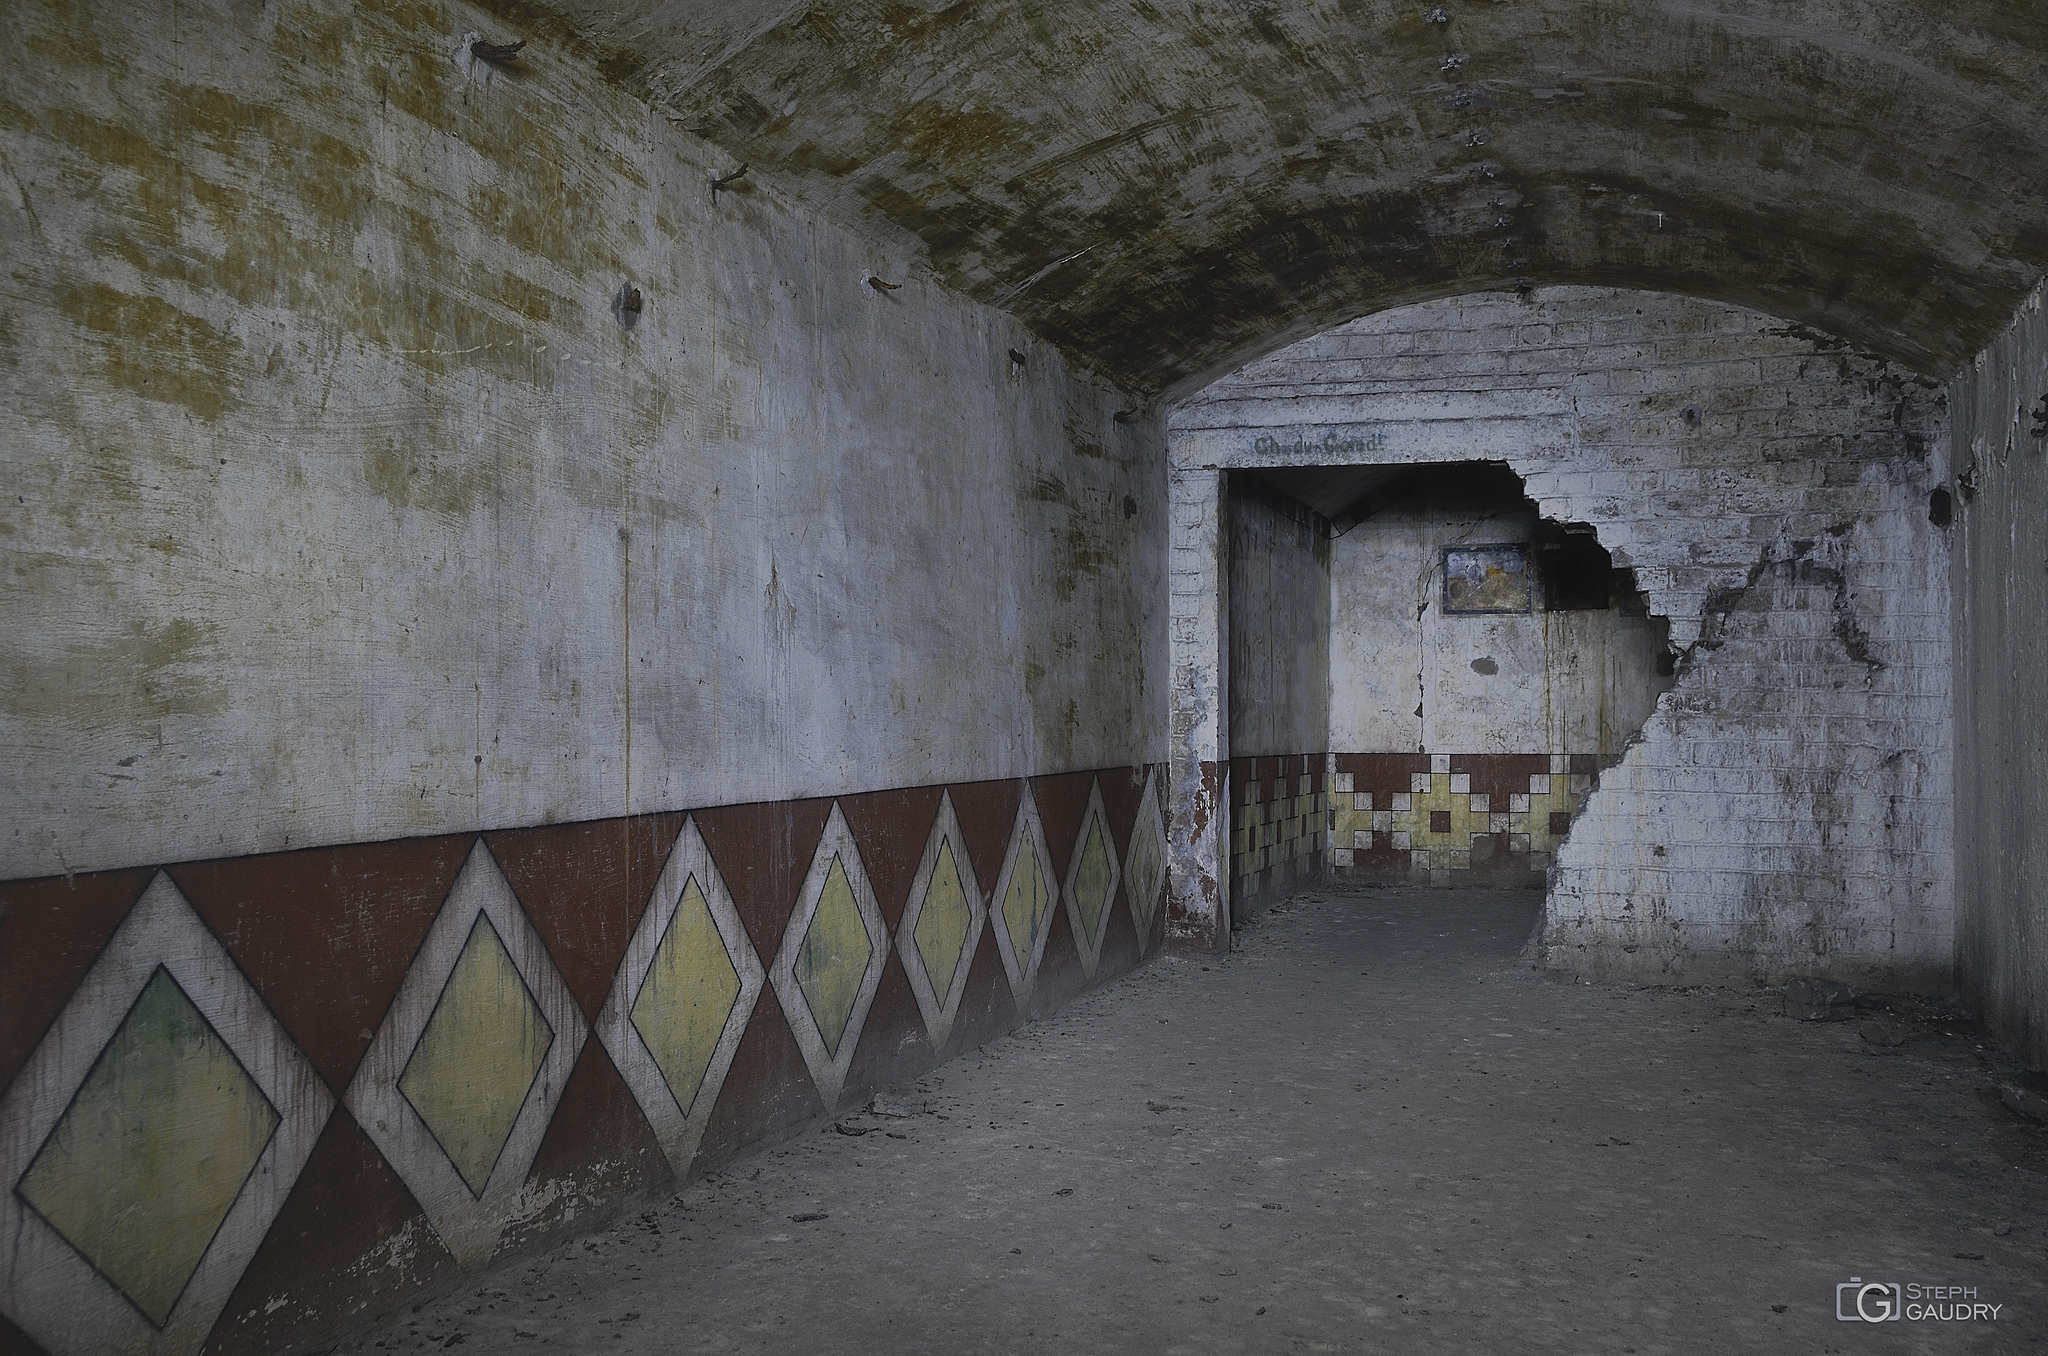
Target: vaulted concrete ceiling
[[1168, 187]]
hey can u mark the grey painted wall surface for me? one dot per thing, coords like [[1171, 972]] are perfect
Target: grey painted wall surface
[[2002, 684], [1279, 628], [342, 505], [1406, 677], [1787, 809]]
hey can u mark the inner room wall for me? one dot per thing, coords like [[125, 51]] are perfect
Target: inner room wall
[[1279, 711], [2000, 405], [1785, 810], [1516, 710], [392, 606]]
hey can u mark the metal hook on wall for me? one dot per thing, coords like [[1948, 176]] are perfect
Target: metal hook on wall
[[718, 182]]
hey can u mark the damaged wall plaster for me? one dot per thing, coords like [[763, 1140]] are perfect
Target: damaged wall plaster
[[1786, 807]]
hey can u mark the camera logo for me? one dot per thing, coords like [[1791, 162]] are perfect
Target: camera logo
[[1861, 1301]]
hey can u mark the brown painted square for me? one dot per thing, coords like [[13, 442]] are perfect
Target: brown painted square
[[891, 828], [585, 887], [763, 852]]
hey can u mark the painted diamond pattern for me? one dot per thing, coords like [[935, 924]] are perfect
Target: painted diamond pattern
[[941, 923], [463, 1076], [151, 1139], [1026, 903], [1145, 863], [153, 1150], [478, 1057], [1095, 878], [1026, 899], [830, 961], [833, 958], [687, 997], [1092, 876], [680, 1003]]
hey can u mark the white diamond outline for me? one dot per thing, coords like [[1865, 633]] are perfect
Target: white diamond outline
[[941, 1010], [469, 1224], [1091, 946], [1027, 833], [1148, 818], [679, 1129], [46, 1286], [828, 1070]]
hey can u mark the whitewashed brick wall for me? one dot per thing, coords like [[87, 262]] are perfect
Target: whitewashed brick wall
[[1786, 808]]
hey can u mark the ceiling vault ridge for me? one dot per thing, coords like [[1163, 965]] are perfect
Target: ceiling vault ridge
[[1165, 191]]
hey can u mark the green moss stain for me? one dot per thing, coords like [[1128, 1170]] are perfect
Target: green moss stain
[[145, 345], [409, 477], [1034, 19], [1047, 489]]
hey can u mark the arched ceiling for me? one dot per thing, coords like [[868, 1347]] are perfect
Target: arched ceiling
[[1165, 188]]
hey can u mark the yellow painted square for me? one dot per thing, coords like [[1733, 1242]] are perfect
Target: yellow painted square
[[687, 996], [833, 959], [153, 1150]]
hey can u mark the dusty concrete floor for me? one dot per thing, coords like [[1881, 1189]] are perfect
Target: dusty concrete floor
[[1368, 1129]]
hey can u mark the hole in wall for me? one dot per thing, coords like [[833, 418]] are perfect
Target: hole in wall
[[1941, 508], [1484, 665]]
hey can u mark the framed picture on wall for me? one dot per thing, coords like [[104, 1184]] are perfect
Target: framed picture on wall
[[1480, 579]]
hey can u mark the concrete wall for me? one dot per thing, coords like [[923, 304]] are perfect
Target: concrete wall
[[2001, 597], [478, 753], [1786, 809], [344, 507]]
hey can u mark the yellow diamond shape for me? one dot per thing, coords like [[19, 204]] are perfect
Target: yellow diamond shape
[[1091, 879], [688, 994], [154, 1149], [478, 1057], [1143, 885], [833, 959], [1025, 905], [942, 923]]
